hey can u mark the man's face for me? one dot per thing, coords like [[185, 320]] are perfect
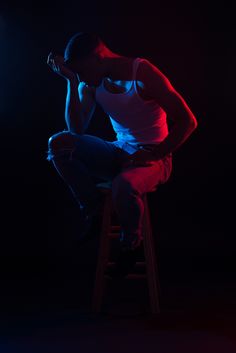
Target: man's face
[[88, 69]]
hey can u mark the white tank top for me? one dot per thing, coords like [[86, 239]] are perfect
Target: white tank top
[[134, 119]]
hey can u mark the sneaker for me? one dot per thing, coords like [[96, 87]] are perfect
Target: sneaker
[[89, 223], [132, 243]]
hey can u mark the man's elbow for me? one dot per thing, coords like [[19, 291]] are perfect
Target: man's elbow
[[189, 123], [193, 123]]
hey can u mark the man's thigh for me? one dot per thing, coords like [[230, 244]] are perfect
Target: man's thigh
[[101, 157], [142, 179]]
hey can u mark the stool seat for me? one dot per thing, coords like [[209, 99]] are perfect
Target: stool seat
[[110, 231]]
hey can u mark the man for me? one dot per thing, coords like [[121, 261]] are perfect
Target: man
[[138, 98]]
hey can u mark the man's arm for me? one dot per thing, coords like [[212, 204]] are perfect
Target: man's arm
[[158, 87], [80, 102], [80, 106]]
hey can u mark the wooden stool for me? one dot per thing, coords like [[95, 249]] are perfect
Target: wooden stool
[[110, 231]]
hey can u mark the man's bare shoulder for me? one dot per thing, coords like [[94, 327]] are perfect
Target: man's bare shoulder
[[147, 68]]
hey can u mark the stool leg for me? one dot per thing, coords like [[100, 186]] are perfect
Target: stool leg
[[150, 259], [103, 255]]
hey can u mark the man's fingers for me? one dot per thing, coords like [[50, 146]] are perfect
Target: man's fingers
[[52, 62], [54, 66], [50, 56]]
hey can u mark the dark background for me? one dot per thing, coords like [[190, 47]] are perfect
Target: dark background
[[193, 214]]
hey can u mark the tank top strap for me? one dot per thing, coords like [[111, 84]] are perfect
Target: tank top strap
[[136, 63], [135, 67]]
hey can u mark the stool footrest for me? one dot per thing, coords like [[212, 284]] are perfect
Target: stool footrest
[[113, 235], [130, 276], [138, 264], [115, 227]]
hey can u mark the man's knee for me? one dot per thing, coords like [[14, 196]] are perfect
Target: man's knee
[[62, 140]]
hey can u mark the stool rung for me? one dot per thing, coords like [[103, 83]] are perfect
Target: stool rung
[[141, 264], [113, 235], [130, 276], [136, 276], [115, 227], [138, 264]]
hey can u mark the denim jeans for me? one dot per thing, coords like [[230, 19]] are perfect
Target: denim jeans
[[84, 160]]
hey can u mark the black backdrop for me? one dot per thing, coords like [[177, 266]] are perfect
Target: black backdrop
[[192, 43]]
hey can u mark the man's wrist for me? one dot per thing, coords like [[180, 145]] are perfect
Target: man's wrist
[[73, 80], [158, 152]]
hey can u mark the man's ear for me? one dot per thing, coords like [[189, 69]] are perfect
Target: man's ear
[[92, 58], [97, 57], [98, 52]]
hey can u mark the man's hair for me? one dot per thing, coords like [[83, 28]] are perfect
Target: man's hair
[[81, 45]]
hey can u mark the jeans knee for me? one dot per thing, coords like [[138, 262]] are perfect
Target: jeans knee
[[61, 143], [64, 139]]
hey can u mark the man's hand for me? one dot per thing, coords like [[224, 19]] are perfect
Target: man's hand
[[141, 158], [57, 64]]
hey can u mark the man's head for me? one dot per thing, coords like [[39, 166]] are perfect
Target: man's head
[[81, 45], [83, 54]]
